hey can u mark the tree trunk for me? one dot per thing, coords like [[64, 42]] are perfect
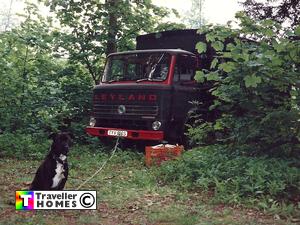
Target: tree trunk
[[8, 25], [112, 26]]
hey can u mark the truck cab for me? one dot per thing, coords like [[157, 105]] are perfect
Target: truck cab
[[146, 94]]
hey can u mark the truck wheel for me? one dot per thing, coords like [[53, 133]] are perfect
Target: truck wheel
[[126, 144]]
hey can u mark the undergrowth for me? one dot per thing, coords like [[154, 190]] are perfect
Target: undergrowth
[[267, 183], [22, 146]]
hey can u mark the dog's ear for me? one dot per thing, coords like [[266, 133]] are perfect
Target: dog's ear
[[52, 136]]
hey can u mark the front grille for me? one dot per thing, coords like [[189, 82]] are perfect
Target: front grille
[[125, 124], [131, 110]]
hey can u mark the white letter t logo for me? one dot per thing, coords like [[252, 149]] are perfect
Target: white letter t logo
[[25, 199]]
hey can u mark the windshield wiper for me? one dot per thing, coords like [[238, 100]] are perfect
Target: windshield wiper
[[110, 81], [148, 79], [155, 65], [153, 68]]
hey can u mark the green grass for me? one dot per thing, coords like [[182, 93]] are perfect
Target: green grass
[[128, 193]]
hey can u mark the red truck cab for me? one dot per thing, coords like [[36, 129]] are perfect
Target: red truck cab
[[146, 94]]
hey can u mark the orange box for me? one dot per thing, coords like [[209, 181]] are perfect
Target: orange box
[[159, 153]]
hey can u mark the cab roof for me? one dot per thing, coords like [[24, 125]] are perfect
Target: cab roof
[[170, 51]]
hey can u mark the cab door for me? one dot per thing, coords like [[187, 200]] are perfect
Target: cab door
[[184, 90]]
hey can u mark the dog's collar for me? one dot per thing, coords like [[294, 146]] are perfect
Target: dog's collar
[[59, 158]]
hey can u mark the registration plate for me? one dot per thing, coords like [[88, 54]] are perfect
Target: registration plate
[[117, 133]]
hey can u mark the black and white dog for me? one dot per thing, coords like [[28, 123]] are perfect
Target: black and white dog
[[53, 172]]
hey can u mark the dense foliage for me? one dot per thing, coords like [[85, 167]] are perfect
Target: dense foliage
[[264, 182], [256, 88], [38, 89], [93, 29], [250, 153]]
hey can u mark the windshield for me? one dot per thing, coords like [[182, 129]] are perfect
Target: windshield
[[137, 67]]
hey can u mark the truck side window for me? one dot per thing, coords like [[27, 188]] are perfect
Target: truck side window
[[184, 69]]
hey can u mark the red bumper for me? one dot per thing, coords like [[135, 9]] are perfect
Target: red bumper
[[131, 134]]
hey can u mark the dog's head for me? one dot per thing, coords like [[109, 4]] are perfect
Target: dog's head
[[61, 143]]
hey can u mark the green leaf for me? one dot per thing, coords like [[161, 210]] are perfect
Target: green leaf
[[200, 76], [268, 22], [214, 63], [269, 32], [218, 45], [218, 125], [230, 47], [227, 55], [252, 81], [210, 37], [201, 47], [246, 56], [227, 67], [297, 30], [213, 76], [279, 47]]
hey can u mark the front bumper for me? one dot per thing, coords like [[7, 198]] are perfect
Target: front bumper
[[131, 134]]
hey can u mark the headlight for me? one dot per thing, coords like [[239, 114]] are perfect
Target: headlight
[[92, 122], [156, 125]]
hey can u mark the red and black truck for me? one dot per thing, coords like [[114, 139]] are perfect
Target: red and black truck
[[147, 94]]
